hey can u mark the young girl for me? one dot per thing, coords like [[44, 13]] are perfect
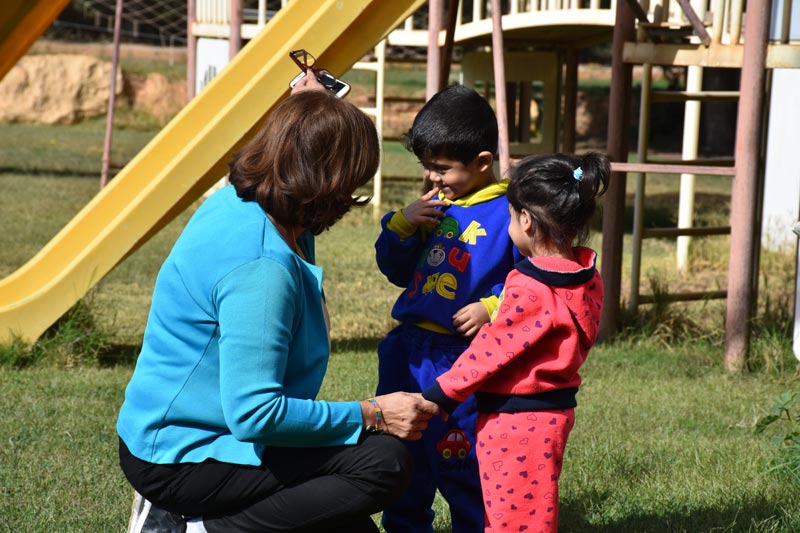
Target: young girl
[[523, 365]]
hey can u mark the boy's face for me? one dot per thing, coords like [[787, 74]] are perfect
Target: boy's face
[[455, 179]]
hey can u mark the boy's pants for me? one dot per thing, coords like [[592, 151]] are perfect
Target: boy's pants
[[410, 359]]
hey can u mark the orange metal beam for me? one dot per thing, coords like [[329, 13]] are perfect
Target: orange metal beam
[[742, 271], [617, 149], [22, 22]]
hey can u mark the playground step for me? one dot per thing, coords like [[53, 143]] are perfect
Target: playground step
[[702, 96], [667, 31], [668, 168]]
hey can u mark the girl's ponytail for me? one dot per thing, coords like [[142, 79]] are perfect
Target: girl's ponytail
[[595, 170]]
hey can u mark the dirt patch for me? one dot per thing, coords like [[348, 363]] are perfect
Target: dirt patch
[[398, 117], [155, 94]]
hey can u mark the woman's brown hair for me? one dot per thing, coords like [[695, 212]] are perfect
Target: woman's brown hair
[[307, 161]]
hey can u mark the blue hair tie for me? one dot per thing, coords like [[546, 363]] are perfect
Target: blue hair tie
[[578, 173]]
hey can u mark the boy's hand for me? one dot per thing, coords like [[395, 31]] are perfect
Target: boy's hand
[[469, 319], [424, 209]]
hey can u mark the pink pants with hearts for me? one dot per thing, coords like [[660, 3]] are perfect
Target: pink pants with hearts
[[520, 457]]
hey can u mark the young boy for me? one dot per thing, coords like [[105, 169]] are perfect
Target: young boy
[[451, 252]]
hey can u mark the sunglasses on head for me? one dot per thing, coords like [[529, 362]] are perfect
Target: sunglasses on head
[[306, 62]]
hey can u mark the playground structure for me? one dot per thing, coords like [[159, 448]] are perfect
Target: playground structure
[[691, 34], [541, 40], [186, 157]]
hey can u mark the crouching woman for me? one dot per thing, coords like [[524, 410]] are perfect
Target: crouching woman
[[220, 422]]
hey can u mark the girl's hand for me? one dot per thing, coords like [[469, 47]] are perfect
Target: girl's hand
[[469, 319], [424, 209]]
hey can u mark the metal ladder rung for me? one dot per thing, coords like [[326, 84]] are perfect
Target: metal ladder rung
[[715, 162], [661, 168], [668, 25], [701, 96], [693, 231], [366, 65]]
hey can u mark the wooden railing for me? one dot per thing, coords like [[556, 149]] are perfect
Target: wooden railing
[[718, 21], [713, 21], [473, 21], [721, 24]]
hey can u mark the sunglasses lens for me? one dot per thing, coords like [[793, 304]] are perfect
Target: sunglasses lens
[[301, 57]]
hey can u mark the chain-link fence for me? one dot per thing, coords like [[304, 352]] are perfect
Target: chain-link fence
[[157, 22]]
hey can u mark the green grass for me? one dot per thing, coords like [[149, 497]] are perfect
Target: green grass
[[63, 150], [664, 442], [665, 439]]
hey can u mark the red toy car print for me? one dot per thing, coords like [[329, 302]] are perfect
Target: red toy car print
[[454, 443]]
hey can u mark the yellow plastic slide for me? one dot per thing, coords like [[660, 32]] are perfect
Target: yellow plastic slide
[[188, 155]]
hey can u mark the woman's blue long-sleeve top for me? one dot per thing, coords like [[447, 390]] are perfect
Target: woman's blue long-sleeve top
[[235, 347]]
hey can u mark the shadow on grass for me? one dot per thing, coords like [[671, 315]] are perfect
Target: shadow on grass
[[355, 344], [50, 172], [118, 355], [757, 515]]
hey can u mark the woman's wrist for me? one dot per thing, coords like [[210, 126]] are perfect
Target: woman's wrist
[[372, 414], [380, 423]]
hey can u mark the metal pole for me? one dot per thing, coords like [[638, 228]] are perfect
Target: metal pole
[[235, 39], [111, 97], [500, 88], [689, 151], [434, 67], [641, 186], [691, 139], [447, 51], [614, 201], [744, 223], [191, 49], [380, 78], [796, 335], [570, 98], [262, 13], [435, 8]]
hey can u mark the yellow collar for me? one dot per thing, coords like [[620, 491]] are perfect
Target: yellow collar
[[490, 192]]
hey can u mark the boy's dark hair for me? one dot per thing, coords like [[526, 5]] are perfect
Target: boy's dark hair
[[307, 161], [560, 193], [456, 123]]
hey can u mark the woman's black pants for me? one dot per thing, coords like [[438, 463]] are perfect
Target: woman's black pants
[[295, 489]]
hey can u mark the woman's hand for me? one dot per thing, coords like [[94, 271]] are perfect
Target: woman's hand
[[424, 210], [405, 415], [308, 83]]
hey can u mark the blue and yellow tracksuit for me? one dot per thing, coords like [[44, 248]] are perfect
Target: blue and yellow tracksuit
[[462, 260]]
